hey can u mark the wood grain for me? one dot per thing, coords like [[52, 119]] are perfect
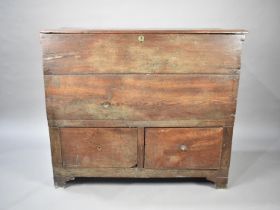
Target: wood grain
[[140, 147], [99, 147], [54, 133], [221, 179], [201, 148], [123, 53], [120, 106], [141, 97], [144, 123], [226, 154], [133, 172]]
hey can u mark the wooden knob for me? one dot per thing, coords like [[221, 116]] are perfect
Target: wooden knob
[[106, 104], [183, 147]]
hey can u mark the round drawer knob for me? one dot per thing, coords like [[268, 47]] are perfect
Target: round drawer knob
[[183, 147], [106, 104]]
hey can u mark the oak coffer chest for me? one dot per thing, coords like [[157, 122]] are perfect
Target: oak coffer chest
[[141, 103]]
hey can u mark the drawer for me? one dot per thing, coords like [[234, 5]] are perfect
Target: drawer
[[141, 97], [99, 147], [141, 53], [183, 148]]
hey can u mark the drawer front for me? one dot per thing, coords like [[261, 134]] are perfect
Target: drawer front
[[141, 97], [183, 148], [99, 147], [141, 53]]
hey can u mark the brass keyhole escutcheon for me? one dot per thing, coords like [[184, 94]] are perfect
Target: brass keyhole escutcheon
[[141, 38]]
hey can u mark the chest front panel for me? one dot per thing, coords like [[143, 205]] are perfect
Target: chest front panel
[[141, 103]]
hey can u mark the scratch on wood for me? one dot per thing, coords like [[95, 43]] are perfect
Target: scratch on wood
[[77, 160], [54, 57]]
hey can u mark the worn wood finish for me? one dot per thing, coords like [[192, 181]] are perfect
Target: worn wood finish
[[140, 146], [226, 154], [183, 148], [222, 177], [60, 180], [150, 123], [133, 172], [99, 147], [124, 53], [141, 103], [54, 133], [57, 160], [120, 97]]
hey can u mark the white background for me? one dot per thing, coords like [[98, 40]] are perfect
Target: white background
[[25, 165]]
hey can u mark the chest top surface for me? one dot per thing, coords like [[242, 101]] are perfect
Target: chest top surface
[[142, 31]]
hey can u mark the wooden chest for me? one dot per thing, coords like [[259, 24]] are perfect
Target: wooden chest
[[142, 103]]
